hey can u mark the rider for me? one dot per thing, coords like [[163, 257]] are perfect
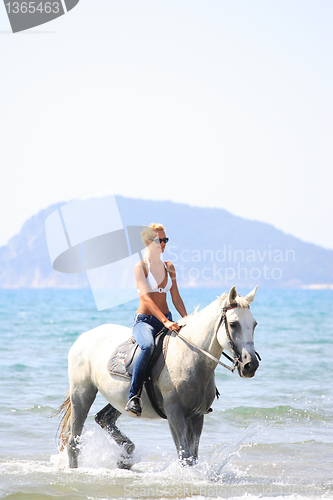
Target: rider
[[154, 278]]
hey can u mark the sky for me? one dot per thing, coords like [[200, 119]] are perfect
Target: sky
[[210, 103]]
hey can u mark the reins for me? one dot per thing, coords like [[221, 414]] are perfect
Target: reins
[[207, 353], [223, 319]]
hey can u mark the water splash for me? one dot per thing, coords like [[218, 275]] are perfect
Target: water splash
[[223, 454]]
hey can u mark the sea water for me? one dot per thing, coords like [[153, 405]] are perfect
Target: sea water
[[269, 436]]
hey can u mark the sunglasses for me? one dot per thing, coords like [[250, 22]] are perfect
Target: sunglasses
[[159, 240]]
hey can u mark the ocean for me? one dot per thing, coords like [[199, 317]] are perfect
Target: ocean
[[269, 436]]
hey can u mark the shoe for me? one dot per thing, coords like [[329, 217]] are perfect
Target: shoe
[[134, 406], [209, 411]]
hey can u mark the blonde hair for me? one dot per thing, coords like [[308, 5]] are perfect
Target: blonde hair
[[150, 231]]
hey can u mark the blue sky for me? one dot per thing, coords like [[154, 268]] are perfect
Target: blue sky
[[211, 103]]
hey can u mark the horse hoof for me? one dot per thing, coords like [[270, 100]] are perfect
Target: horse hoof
[[124, 464], [188, 462]]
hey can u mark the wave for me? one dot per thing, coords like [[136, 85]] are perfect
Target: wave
[[48, 410], [40, 496], [229, 470], [151, 480], [145, 493], [278, 414], [19, 367]]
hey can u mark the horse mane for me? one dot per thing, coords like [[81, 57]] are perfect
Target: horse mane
[[186, 319], [241, 301]]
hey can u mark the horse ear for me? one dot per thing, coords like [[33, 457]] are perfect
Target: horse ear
[[232, 294], [250, 296]]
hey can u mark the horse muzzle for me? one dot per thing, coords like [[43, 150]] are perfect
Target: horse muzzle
[[247, 364]]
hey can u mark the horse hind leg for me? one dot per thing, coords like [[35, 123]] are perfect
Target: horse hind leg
[[107, 418], [81, 402]]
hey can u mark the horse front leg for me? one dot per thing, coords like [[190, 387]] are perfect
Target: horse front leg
[[178, 428], [193, 432], [107, 418]]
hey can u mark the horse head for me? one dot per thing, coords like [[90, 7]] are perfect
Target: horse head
[[235, 331]]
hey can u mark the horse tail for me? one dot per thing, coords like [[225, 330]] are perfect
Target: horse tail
[[65, 411]]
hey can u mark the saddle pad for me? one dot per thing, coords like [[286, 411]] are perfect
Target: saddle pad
[[117, 362], [123, 357]]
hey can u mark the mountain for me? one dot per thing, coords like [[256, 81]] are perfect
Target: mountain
[[25, 260], [209, 247]]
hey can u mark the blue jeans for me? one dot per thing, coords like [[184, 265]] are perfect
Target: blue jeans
[[145, 328]]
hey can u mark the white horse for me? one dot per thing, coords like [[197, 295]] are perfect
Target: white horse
[[185, 388]]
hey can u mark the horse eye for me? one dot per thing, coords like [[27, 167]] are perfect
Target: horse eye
[[233, 324]]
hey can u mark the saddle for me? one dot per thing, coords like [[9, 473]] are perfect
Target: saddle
[[124, 356]]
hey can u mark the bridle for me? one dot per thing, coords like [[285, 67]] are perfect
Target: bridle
[[223, 319]]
